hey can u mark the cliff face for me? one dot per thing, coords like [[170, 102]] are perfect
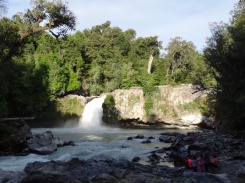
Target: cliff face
[[173, 106], [130, 103]]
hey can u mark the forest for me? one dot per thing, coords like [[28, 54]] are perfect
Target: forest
[[40, 62]]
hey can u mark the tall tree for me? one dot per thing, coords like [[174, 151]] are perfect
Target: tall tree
[[44, 16], [180, 57], [225, 53], [22, 74]]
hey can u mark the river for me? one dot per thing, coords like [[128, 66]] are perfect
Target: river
[[108, 141], [91, 138]]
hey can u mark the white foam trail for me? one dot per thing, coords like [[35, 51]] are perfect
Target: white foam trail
[[92, 114]]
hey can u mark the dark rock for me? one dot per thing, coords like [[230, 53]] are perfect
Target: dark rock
[[11, 177], [99, 168], [188, 139], [41, 144], [140, 177], [104, 178], [177, 143], [197, 146], [130, 138], [13, 136], [136, 159], [146, 141], [151, 137], [167, 138], [241, 157], [48, 134], [46, 143], [139, 137], [154, 158]]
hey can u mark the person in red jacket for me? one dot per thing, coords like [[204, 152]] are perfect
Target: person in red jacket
[[215, 161], [213, 127], [190, 163], [214, 164]]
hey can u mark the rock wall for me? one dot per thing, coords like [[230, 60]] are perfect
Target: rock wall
[[173, 106], [130, 103]]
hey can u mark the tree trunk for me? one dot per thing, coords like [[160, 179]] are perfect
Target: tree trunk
[[149, 64]]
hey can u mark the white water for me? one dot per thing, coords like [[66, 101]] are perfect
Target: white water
[[92, 114], [92, 139], [88, 143]]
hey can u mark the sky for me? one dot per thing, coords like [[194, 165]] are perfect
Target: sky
[[188, 19]]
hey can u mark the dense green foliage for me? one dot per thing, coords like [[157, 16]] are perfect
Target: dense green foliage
[[27, 65], [97, 60], [225, 52], [40, 63], [52, 16]]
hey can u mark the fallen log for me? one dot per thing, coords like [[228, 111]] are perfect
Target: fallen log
[[17, 118]]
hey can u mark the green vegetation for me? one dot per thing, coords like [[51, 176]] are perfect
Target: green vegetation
[[149, 94], [71, 106], [164, 110], [62, 108], [225, 54], [203, 104], [192, 106], [40, 63], [109, 102], [206, 106], [110, 113]]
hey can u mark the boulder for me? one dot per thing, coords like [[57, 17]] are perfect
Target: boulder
[[167, 138], [40, 144], [45, 143], [9, 176], [14, 135]]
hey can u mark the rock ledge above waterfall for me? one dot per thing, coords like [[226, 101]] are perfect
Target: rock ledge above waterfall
[[173, 107]]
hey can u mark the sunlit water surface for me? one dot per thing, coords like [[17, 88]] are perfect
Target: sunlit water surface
[[91, 142]]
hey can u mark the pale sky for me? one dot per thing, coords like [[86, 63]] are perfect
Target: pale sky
[[166, 19]]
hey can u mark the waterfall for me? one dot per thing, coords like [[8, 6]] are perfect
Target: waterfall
[[92, 113]]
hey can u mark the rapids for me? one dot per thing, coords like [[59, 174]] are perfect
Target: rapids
[[91, 138], [108, 141]]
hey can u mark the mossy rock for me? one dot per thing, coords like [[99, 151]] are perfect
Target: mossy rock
[[110, 113]]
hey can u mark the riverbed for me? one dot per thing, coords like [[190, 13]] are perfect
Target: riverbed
[[94, 141]]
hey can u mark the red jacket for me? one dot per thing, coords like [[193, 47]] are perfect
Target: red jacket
[[215, 161], [190, 163]]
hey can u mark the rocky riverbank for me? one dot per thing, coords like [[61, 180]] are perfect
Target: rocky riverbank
[[16, 138], [229, 147]]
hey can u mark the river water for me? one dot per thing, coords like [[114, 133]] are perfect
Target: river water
[[107, 141], [91, 138]]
